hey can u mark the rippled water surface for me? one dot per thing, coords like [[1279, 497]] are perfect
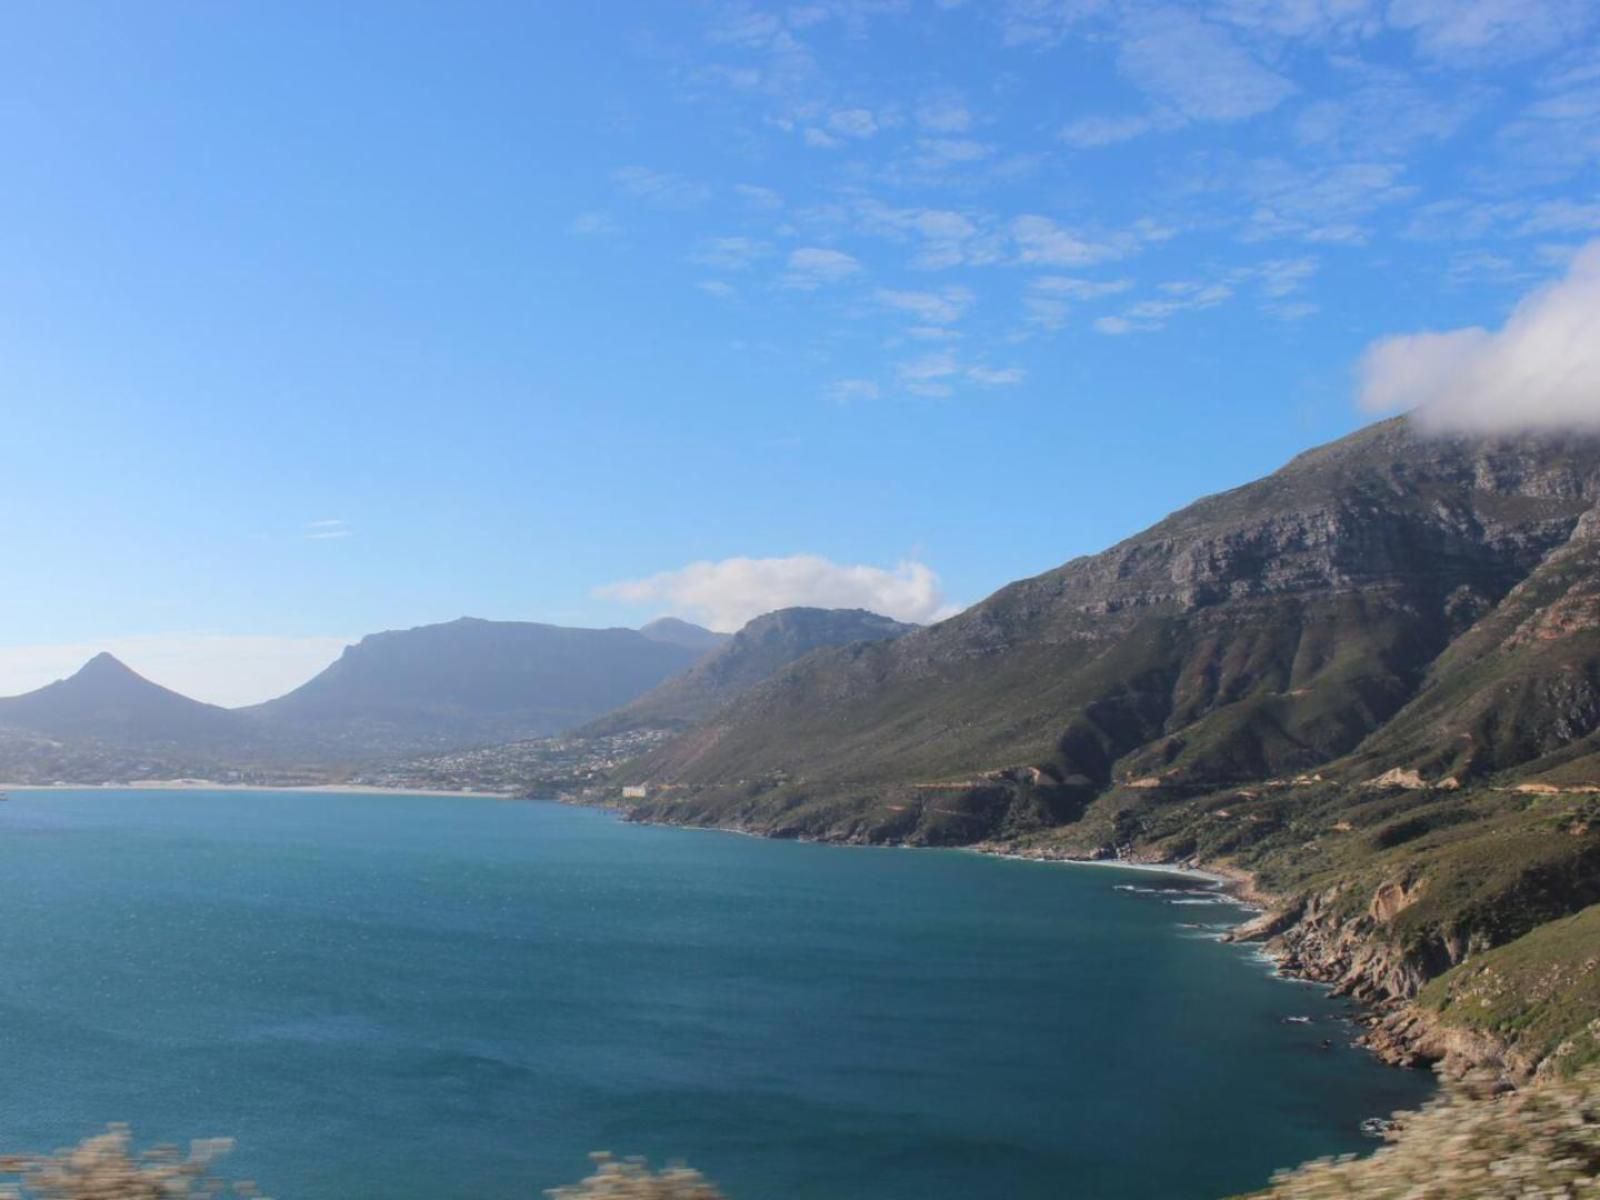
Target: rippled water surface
[[409, 997]]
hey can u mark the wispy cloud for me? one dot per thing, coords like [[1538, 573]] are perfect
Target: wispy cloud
[[325, 530], [1472, 32], [944, 114], [847, 391], [942, 307], [758, 197], [594, 224], [929, 375], [1051, 299], [1043, 242], [727, 593], [996, 376], [853, 122], [664, 188], [1195, 68], [1092, 132], [811, 267], [728, 253]]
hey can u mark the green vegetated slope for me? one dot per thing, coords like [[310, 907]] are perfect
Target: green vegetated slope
[[1541, 991], [1372, 678]]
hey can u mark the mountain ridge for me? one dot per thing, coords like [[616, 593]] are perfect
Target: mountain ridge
[[459, 683]]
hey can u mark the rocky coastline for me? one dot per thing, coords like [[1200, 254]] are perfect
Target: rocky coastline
[[1307, 939]]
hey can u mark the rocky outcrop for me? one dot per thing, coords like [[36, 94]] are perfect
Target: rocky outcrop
[[1315, 937]]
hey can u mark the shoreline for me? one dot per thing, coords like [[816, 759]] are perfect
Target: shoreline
[[1181, 870], [210, 785]]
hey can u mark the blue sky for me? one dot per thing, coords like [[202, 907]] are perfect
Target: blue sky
[[316, 320]]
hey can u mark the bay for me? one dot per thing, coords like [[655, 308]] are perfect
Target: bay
[[407, 997]]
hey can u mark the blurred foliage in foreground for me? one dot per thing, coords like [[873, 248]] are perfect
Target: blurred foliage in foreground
[[633, 1180], [105, 1168], [1543, 1142]]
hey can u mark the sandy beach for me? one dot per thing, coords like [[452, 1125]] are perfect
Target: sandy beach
[[208, 785]]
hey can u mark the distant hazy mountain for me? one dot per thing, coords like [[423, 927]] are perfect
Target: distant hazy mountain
[[108, 702], [685, 634], [467, 682], [753, 655]]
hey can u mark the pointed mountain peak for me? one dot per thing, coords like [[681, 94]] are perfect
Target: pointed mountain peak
[[106, 665]]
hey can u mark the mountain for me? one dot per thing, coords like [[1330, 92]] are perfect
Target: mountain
[[754, 654], [107, 702], [1267, 629], [1371, 680], [685, 634], [467, 682]]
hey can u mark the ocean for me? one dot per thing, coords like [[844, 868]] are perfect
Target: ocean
[[408, 997]]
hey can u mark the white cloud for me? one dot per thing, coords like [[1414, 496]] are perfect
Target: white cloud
[[221, 669], [1051, 298], [926, 376], [1071, 288], [1469, 32], [1045, 22], [1280, 277], [321, 531], [1043, 242], [1184, 295], [1561, 216], [663, 188], [1317, 20], [1196, 67], [726, 594], [820, 139], [1383, 113], [944, 115], [996, 376], [1324, 204], [853, 122], [1116, 326], [943, 307], [758, 197], [944, 238], [847, 391], [594, 224], [1087, 133], [717, 288], [728, 253], [812, 266], [1539, 371], [941, 154]]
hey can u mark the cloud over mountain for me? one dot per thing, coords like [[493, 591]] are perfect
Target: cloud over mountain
[[727, 593], [1539, 371]]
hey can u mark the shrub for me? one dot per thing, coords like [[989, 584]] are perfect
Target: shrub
[[1543, 1142], [631, 1179], [105, 1168]]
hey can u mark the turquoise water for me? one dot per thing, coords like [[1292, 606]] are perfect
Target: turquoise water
[[408, 997]]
